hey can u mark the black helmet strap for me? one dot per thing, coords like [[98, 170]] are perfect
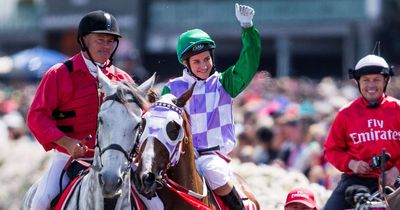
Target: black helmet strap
[[112, 54], [82, 44], [92, 60]]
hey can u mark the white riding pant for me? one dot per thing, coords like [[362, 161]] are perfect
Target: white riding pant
[[215, 170], [48, 187]]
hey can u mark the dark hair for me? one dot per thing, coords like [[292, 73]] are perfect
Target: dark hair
[[264, 134]]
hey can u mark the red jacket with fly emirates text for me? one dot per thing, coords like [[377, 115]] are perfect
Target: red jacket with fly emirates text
[[359, 133], [67, 103]]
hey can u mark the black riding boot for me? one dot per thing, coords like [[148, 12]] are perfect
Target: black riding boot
[[233, 200]]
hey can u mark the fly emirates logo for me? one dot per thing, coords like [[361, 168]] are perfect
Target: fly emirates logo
[[375, 133]]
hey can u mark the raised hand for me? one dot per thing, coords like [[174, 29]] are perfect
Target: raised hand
[[244, 14]]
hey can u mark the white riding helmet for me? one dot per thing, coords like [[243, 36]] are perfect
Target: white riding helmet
[[371, 64]]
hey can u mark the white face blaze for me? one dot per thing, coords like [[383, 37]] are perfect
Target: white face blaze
[[147, 159]]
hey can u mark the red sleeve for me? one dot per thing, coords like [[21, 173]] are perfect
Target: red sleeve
[[39, 117], [335, 147]]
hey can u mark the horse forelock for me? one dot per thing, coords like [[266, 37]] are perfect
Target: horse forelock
[[125, 88]]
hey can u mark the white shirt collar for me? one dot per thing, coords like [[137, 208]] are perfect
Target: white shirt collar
[[92, 68]]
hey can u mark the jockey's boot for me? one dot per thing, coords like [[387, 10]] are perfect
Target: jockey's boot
[[233, 200]]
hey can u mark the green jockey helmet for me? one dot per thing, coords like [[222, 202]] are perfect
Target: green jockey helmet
[[193, 42]]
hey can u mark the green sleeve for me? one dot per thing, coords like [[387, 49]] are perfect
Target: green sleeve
[[236, 78], [165, 90]]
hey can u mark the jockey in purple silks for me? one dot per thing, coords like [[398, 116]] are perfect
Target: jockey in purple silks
[[210, 107]]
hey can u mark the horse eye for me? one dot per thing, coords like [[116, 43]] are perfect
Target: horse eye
[[173, 129], [100, 120]]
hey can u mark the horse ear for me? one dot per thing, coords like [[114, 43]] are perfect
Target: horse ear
[[146, 85], [106, 86], [181, 101]]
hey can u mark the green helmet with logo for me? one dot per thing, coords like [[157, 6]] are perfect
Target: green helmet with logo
[[193, 42]]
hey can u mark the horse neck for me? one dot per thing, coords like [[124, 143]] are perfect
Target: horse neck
[[185, 173]]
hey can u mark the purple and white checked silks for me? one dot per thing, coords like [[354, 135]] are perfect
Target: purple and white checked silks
[[210, 111]]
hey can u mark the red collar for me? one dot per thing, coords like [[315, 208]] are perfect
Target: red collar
[[377, 103]]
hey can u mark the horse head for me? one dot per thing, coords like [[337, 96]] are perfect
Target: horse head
[[119, 120], [164, 129]]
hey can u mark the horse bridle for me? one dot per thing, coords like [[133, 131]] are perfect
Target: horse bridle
[[128, 155], [173, 152]]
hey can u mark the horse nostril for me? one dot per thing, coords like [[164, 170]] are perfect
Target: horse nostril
[[149, 179], [101, 181], [119, 182]]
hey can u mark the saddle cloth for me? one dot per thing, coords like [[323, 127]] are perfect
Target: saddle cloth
[[66, 194], [137, 202]]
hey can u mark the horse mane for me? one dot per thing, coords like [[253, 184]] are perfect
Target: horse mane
[[186, 126], [153, 95], [125, 88]]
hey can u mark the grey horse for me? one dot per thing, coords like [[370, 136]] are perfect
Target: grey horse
[[118, 129]]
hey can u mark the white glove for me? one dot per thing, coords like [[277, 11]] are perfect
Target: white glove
[[244, 14]]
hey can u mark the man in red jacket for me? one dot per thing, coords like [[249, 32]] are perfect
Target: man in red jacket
[[64, 109], [362, 129]]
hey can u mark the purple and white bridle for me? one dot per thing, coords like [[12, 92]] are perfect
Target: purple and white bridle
[[157, 117]]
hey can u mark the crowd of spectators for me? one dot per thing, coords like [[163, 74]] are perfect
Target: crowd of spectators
[[280, 121], [284, 122], [15, 99]]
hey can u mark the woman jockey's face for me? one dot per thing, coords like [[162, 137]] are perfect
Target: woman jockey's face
[[201, 64], [100, 46]]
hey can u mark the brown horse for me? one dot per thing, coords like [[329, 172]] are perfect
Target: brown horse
[[166, 160]]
